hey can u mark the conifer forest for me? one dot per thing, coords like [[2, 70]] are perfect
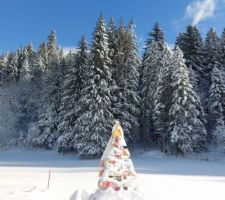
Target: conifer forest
[[170, 99]]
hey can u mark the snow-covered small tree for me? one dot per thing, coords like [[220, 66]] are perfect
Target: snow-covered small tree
[[186, 123], [92, 128]]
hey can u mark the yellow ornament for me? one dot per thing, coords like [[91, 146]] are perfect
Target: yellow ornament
[[117, 132]]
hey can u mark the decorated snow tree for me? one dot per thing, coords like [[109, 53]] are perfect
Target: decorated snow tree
[[116, 167]]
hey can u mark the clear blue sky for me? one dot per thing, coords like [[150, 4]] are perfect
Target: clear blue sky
[[23, 21]]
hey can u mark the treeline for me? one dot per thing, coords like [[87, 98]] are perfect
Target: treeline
[[172, 98]]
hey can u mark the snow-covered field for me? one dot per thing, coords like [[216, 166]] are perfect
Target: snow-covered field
[[24, 176]]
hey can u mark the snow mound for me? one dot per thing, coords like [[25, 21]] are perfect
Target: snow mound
[[80, 195], [108, 194]]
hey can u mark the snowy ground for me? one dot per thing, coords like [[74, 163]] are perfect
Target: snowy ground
[[24, 175]]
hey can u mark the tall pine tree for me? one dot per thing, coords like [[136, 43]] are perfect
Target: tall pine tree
[[148, 71], [128, 85], [211, 60], [162, 99], [216, 104], [191, 44], [48, 113], [73, 84], [92, 128], [186, 114]]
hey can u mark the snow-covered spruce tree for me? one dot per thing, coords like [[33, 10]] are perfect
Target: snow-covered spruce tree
[[117, 43], [26, 65], [24, 85], [156, 35], [81, 63], [186, 125], [129, 85], [114, 41], [162, 98], [211, 59], [11, 70], [31, 53], [216, 104], [148, 78], [222, 55], [16, 92], [73, 84], [191, 44], [48, 113], [123, 52], [211, 53], [3, 66], [40, 66], [36, 98], [52, 48], [222, 44], [43, 53], [219, 133], [92, 128], [151, 67], [21, 56]]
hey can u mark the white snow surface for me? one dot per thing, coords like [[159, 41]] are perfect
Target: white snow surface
[[24, 176]]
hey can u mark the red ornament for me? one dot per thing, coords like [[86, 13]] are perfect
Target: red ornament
[[117, 188], [106, 184]]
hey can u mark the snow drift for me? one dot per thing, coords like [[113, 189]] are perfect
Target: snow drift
[[108, 194]]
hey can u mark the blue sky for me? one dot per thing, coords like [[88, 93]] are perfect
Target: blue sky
[[27, 21]]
